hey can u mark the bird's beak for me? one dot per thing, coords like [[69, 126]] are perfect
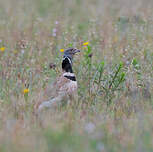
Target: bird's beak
[[76, 51]]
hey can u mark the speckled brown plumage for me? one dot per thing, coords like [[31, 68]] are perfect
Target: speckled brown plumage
[[64, 89]]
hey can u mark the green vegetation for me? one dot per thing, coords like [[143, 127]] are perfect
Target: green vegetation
[[114, 72]]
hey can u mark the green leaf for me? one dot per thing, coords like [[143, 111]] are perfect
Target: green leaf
[[134, 62]]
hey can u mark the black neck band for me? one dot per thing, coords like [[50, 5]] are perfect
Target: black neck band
[[70, 77], [66, 65]]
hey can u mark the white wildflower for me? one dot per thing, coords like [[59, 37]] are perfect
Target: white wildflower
[[22, 51], [90, 127], [56, 22]]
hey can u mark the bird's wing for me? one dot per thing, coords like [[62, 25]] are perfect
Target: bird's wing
[[64, 89], [52, 90]]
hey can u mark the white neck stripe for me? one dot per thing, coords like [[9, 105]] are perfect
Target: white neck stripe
[[68, 59], [68, 74]]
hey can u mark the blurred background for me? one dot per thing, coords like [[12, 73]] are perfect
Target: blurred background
[[114, 74]]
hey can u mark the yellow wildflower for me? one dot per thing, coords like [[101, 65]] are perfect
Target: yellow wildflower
[[61, 50], [115, 38], [85, 43], [15, 51], [2, 49], [25, 90]]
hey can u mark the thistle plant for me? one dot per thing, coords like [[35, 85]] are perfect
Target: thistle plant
[[109, 83], [88, 63]]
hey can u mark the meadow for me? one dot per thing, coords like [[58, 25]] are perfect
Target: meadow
[[114, 73]]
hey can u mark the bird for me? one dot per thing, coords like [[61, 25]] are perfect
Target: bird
[[64, 89]]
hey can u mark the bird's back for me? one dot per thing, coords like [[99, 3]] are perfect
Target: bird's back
[[65, 86], [62, 85]]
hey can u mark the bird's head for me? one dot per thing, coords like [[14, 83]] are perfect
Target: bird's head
[[70, 52], [68, 57]]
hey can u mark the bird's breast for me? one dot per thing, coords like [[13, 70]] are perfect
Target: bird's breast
[[70, 87]]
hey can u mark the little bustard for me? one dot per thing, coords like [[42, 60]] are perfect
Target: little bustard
[[64, 89]]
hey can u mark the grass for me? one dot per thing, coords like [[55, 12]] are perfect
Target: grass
[[114, 73]]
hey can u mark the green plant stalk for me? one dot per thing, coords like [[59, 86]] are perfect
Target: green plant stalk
[[116, 86], [89, 67], [118, 70], [99, 79]]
